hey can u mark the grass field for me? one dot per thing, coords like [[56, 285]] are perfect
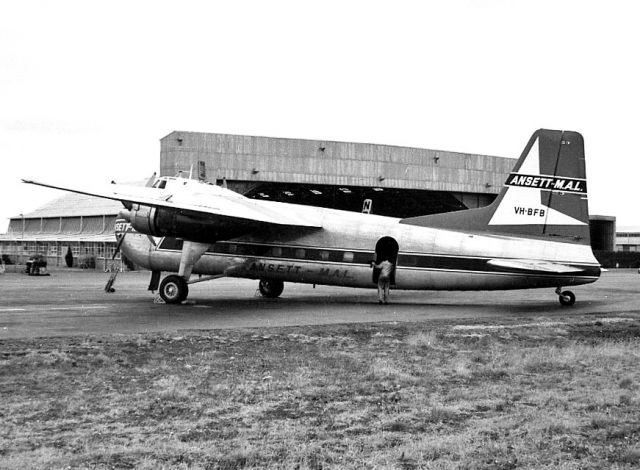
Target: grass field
[[536, 393]]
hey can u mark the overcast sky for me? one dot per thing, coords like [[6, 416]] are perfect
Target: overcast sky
[[87, 89]]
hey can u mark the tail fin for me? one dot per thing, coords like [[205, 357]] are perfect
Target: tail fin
[[545, 194]]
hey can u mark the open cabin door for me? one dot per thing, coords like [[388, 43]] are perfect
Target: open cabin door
[[386, 248]]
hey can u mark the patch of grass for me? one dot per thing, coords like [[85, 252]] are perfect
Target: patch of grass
[[531, 394]]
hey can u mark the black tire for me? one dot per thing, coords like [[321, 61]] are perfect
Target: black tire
[[567, 298], [174, 289], [270, 288]]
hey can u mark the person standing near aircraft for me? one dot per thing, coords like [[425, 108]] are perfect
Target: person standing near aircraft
[[384, 280]]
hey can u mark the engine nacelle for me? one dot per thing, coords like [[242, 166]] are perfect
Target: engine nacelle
[[142, 219], [197, 227]]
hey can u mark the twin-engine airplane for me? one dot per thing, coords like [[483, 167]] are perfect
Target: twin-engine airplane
[[535, 234]]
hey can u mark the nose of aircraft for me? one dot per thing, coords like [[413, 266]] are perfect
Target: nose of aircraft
[[125, 214]]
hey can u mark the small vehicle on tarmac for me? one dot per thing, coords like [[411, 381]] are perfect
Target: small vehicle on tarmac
[[36, 266]]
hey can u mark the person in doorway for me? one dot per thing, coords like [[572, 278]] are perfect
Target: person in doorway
[[384, 280]]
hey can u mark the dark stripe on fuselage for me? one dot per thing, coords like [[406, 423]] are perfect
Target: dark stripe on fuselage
[[335, 255]]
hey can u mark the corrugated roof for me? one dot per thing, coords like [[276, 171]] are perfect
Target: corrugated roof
[[76, 205]]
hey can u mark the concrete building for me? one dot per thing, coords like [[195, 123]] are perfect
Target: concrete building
[[628, 239], [602, 231]]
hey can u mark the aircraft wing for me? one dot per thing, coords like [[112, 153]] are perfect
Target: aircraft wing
[[214, 201], [530, 265]]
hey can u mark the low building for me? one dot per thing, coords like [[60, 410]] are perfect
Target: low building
[[82, 224], [628, 239]]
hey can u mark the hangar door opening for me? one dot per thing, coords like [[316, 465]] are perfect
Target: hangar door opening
[[386, 248]]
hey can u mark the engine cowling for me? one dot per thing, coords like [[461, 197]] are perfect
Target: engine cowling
[[142, 219], [198, 227]]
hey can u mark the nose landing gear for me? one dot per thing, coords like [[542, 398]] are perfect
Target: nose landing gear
[[566, 298]]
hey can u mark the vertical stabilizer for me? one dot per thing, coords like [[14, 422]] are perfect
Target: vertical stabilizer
[[544, 195]]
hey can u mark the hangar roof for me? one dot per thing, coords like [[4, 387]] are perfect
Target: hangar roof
[[75, 205], [254, 159]]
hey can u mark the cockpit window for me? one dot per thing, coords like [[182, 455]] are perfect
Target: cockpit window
[[160, 184]]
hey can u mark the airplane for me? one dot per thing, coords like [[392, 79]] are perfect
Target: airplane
[[534, 235]]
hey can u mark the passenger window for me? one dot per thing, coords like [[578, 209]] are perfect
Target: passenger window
[[276, 251], [408, 260], [324, 255], [348, 257], [300, 253]]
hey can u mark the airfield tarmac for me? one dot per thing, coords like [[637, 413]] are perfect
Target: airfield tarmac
[[73, 302]]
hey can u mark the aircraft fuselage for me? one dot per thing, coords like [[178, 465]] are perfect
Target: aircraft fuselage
[[340, 253]]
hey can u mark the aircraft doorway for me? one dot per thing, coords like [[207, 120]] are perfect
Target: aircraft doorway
[[386, 248]]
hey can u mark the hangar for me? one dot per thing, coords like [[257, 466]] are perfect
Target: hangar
[[399, 181], [383, 179]]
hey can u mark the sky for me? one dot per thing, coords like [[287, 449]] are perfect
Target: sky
[[87, 88]]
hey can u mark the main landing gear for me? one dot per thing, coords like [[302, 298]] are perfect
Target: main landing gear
[[270, 288], [174, 289], [566, 298]]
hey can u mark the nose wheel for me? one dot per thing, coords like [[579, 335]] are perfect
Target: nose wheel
[[566, 298]]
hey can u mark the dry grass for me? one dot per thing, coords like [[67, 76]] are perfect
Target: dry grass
[[540, 394]]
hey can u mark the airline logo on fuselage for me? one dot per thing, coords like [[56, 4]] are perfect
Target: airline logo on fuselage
[[121, 226], [550, 183]]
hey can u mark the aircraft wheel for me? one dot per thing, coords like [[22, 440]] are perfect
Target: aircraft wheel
[[174, 289], [270, 288], [567, 298]]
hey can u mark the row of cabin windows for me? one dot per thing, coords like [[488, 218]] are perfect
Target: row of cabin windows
[[299, 253], [245, 249]]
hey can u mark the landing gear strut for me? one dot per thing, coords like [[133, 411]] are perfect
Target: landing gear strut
[[566, 298], [174, 289], [270, 288]]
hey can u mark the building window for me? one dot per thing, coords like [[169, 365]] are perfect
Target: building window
[[110, 249]]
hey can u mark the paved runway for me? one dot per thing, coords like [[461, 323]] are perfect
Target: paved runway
[[74, 303]]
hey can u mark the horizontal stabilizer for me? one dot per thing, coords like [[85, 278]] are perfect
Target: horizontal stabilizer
[[533, 265]]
